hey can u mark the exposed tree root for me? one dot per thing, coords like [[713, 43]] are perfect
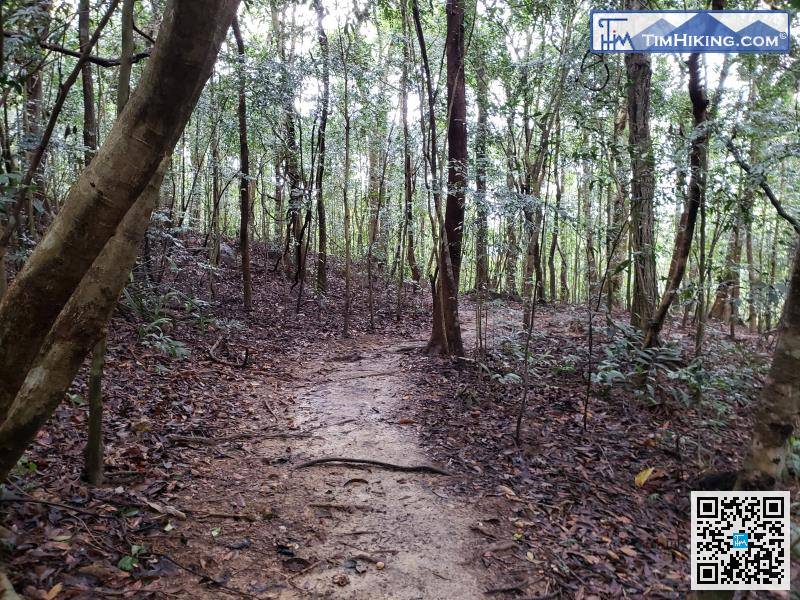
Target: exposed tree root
[[375, 463]]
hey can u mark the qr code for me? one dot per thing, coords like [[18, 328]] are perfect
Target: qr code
[[740, 540]]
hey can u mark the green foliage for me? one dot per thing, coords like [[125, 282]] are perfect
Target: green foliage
[[649, 373], [130, 561]]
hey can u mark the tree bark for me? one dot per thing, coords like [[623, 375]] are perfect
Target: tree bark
[[126, 55], [78, 327], [148, 128], [446, 334], [481, 205], [322, 250], [617, 246], [244, 173], [408, 188], [642, 189], [698, 164], [89, 117], [779, 403]]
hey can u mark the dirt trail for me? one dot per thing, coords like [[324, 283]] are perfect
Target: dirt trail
[[332, 524], [355, 399]]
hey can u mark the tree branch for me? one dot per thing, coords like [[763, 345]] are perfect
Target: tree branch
[[762, 182]]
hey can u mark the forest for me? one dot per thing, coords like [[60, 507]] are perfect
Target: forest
[[388, 299]]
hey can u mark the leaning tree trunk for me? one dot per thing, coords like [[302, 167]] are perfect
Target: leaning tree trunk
[[79, 326], [149, 127], [698, 164]]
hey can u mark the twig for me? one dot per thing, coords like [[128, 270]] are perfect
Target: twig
[[83, 511], [761, 180], [203, 576], [376, 463], [511, 587], [307, 569], [211, 441], [201, 514]]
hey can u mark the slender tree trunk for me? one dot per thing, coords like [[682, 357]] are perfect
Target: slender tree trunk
[[345, 190], [322, 250], [446, 334], [93, 452], [722, 307], [481, 204], [244, 170], [126, 55], [551, 259], [408, 188], [773, 267], [89, 117], [617, 240]]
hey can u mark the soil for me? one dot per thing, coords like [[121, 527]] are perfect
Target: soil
[[335, 531]]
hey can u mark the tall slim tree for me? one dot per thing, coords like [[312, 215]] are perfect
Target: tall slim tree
[[244, 172], [322, 249], [481, 159]]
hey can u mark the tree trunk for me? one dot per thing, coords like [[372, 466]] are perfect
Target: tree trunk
[[446, 338], [481, 206], [148, 128], [93, 452], [126, 54], [322, 250], [456, 171], [89, 117], [78, 327], [408, 188], [642, 189], [244, 171], [617, 246], [779, 404], [345, 189], [588, 223], [728, 288], [698, 164]]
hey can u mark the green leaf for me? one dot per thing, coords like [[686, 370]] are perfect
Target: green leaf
[[128, 563]]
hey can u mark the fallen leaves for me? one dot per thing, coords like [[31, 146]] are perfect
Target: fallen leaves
[[642, 476]]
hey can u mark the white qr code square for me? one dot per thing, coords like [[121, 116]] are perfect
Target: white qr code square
[[740, 540]]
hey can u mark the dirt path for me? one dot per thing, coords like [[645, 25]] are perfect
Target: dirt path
[[334, 525]]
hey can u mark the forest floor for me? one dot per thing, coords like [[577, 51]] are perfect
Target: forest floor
[[207, 495]]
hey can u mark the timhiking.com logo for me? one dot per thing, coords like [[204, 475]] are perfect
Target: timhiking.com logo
[[690, 31]]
